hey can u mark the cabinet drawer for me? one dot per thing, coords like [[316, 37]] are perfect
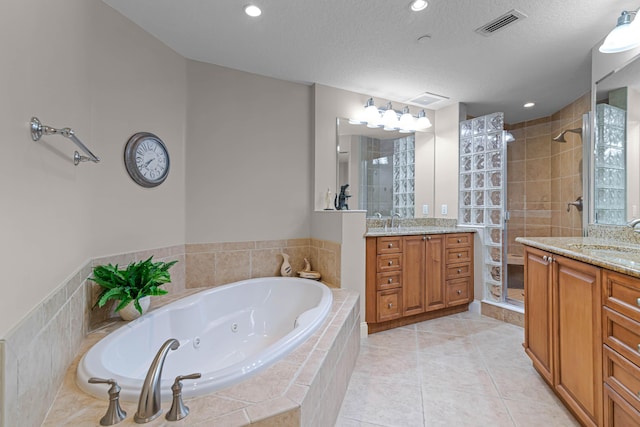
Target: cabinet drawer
[[458, 291], [463, 239], [458, 270], [389, 245], [617, 412], [389, 262], [622, 334], [458, 255], [622, 376], [389, 304], [622, 293], [388, 280]]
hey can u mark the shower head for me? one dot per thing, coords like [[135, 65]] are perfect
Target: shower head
[[560, 138]]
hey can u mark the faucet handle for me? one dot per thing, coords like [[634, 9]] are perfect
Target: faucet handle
[[178, 409], [114, 414]]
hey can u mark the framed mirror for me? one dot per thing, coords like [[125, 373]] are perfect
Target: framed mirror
[[387, 172], [615, 147]]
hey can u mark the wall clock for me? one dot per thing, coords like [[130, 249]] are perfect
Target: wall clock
[[146, 159]]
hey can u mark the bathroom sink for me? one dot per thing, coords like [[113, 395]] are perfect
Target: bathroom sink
[[623, 254]]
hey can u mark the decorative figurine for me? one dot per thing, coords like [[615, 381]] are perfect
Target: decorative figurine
[[327, 201], [285, 269], [341, 199]]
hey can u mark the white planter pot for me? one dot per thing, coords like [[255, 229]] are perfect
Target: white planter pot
[[129, 312]]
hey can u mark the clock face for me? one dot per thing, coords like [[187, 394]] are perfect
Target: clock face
[[146, 159]]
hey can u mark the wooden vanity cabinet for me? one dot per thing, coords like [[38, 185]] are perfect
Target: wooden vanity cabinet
[[562, 329], [417, 277], [621, 349]]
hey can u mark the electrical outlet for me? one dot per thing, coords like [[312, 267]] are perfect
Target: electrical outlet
[[443, 210], [425, 209]]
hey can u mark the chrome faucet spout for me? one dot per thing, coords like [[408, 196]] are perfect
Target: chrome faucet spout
[[633, 224], [393, 219], [149, 404]]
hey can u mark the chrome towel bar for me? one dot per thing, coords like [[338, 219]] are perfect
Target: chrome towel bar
[[38, 129]]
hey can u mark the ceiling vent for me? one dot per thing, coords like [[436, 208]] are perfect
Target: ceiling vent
[[501, 22], [426, 98]]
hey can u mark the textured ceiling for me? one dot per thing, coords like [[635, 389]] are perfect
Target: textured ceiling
[[371, 47]]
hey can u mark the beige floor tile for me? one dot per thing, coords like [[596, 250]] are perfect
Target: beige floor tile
[[533, 414], [394, 338], [390, 364], [446, 408], [467, 374], [464, 370], [382, 402]]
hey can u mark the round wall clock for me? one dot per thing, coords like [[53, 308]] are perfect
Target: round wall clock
[[146, 159]]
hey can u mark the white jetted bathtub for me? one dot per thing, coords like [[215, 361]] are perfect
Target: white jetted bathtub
[[226, 333]]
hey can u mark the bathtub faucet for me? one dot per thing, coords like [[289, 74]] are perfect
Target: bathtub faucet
[[149, 404]]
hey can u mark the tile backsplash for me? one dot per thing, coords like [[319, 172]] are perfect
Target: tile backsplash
[[35, 354]]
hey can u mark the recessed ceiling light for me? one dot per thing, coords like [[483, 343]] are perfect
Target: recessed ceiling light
[[252, 10], [418, 5], [529, 104]]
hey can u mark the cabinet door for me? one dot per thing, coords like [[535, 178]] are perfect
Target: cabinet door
[[538, 311], [578, 364], [413, 275], [434, 264]]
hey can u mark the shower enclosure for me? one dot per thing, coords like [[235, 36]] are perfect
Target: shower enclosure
[[517, 181]]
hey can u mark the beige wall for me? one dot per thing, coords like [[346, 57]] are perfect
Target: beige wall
[[82, 65], [249, 156], [446, 161]]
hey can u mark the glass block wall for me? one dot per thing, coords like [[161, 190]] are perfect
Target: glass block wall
[[404, 176], [482, 191], [609, 162]]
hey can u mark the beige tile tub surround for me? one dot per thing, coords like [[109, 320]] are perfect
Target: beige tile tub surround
[[215, 264], [306, 388]]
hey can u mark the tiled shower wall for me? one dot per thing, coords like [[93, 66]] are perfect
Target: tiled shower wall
[[543, 176], [35, 355]]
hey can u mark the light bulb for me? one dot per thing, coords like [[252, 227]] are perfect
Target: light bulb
[[252, 10], [418, 5]]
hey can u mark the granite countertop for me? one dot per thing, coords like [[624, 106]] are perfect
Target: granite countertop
[[611, 254], [405, 231]]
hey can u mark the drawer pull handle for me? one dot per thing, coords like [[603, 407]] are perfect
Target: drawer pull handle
[[459, 240], [638, 348], [638, 302], [390, 262], [459, 270], [459, 291], [390, 245], [424, 237], [429, 238], [390, 280], [545, 258], [390, 305], [459, 255]]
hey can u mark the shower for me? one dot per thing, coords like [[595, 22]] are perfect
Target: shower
[[560, 137]]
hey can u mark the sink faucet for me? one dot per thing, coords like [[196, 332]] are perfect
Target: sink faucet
[[633, 224], [149, 404], [393, 220]]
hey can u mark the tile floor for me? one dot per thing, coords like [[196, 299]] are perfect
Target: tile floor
[[461, 370]]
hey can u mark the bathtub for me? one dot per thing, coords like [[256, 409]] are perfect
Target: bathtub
[[227, 334]]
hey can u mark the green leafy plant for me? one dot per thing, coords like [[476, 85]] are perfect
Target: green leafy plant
[[138, 280]]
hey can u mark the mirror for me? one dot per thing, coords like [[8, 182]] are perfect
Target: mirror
[[387, 171], [616, 147]]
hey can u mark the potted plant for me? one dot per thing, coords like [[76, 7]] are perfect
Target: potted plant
[[131, 287]]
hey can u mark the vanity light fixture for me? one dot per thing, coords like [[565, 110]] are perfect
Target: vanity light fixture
[[625, 36], [390, 119], [529, 104], [418, 5], [252, 10]]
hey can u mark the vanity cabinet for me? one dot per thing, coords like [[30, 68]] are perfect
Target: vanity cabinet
[[417, 277], [563, 329], [621, 349]]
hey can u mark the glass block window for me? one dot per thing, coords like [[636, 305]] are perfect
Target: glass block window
[[482, 191], [609, 161], [404, 176]]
